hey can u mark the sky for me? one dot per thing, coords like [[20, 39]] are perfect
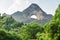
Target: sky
[[11, 6]]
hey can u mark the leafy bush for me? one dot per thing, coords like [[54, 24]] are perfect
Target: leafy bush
[[8, 36]]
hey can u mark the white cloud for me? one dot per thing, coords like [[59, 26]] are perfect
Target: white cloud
[[4, 5], [18, 5]]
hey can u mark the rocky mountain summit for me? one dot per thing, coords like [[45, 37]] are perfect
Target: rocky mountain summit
[[32, 14]]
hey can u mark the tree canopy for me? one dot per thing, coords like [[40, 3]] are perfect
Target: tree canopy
[[12, 30]]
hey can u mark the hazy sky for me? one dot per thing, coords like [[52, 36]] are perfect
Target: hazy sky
[[11, 6]]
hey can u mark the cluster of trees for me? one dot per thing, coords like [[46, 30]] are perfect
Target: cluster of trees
[[12, 30], [4, 35], [8, 23]]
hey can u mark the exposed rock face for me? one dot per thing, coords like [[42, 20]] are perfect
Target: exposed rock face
[[33, 9], [39, 16]]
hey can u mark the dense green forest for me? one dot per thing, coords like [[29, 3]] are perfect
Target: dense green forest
[[12, 30]]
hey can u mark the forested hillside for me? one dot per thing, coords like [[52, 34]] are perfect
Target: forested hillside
[[12, 30]]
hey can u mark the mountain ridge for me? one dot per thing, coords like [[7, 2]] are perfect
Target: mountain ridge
[[33, 9]]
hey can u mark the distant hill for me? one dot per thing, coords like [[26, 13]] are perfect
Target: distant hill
[[4, 14], [33, 9]]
